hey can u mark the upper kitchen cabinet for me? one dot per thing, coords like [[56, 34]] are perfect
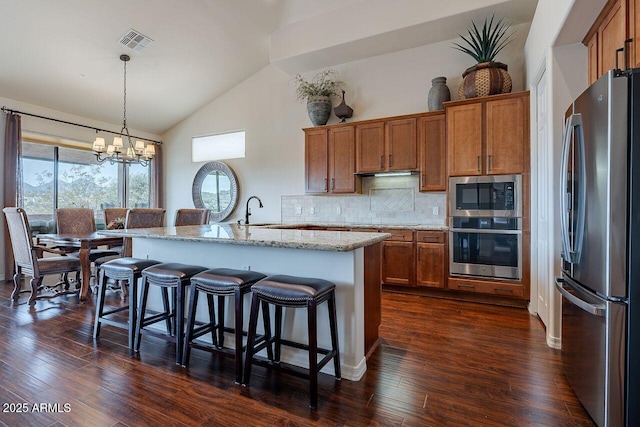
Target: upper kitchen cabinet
[[431, 141], [618, 21], [489, 135], [387, 145], [330, 160]]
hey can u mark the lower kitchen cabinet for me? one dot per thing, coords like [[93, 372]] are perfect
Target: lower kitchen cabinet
[[489, 287], [431, 259], [398, 258]]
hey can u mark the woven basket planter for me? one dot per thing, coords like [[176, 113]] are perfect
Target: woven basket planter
[[487, 78]]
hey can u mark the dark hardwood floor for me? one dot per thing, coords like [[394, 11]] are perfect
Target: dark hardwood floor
[[440, 363]]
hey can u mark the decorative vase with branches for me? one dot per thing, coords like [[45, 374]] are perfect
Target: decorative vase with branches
[[483, 44], [317, 92]]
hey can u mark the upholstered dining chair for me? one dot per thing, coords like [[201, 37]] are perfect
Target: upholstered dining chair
[[136, 218], [144, 218], [30, 260], [80, 221], [191, 217], [114, 214]]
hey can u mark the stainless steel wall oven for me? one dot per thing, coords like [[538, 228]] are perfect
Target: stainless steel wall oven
[[485, 234]]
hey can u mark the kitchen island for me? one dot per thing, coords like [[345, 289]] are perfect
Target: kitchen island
[[349, 259]]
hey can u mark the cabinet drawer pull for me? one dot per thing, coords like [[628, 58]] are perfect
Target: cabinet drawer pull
[[422, 177], [490, 162], [465, 285], [478, 163], [381, 162], [390, 160], [430, 239], [333, 183], [509, 291], [326, 188]]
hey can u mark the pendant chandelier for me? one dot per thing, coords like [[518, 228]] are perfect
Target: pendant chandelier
[[138, 153]]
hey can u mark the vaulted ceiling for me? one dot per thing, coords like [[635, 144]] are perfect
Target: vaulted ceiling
[[64, 54]]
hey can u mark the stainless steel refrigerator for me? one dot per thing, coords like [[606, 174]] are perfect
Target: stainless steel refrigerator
[[600, 223]]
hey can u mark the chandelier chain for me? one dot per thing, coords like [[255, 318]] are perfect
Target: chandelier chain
[[124, 121]]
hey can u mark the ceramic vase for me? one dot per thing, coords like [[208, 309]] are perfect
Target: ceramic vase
[[319, 109], [343, 111], [438, 94]]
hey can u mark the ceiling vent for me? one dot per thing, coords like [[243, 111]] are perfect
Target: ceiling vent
[[135, 41]]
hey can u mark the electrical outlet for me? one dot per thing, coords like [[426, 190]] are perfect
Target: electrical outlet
[[312, 210], [338, 210], [298, 210], [435, 210]]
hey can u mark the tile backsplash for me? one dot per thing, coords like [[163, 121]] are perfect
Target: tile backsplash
[[384, 200]]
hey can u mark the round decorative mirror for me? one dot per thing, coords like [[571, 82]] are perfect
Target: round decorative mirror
[[215, 187]]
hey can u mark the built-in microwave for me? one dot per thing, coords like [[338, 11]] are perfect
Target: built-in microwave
[[486, 196]]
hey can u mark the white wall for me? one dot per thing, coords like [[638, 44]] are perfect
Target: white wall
[[265, 106], [554, 45]]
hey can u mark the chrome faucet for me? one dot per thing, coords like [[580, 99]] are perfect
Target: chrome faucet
[[247, 211]]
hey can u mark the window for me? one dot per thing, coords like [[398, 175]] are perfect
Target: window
[[229, 145], [64, 177]]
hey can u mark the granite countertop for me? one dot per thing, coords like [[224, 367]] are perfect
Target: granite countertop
[[256, 235], [419, 227]]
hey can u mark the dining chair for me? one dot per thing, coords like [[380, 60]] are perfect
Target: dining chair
[[136, 218], [144, 218], [30, 260], [80, 221], [191, 217], [115, 214]]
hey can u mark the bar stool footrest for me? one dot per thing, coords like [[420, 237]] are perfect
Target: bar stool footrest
[[116, 310]]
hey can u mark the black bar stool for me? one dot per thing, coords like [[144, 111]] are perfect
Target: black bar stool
[[289, 291], [220, 282], [119, 269], [172, 276]]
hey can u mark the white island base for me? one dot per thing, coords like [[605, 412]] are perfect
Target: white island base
[[346, 269]]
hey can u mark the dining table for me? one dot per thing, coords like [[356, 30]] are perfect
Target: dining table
[[84, 242]]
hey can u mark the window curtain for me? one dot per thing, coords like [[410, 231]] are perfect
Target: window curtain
[[157, 183], [12, 180]]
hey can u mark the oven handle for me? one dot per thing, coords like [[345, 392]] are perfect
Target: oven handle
[[484, 231]]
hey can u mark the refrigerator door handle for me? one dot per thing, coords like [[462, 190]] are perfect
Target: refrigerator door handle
[[564, 195], [582, 191], [572, 250], [595, 309]]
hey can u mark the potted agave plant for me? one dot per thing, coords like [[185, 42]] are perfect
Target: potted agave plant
[[318, 92], [487, 77]]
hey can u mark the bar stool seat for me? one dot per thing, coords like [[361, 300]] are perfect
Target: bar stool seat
[[297, 292], [120, 269], [174, 276], [219, 282]]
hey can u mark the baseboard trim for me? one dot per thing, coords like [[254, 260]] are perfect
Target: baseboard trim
[[554, 342]]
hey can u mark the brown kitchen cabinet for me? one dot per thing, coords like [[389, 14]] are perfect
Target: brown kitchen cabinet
[[490, 287], [431, 259], [616, 23], [398, 258], [488, 136], [387, 145], [330, 161], [432, 148]]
